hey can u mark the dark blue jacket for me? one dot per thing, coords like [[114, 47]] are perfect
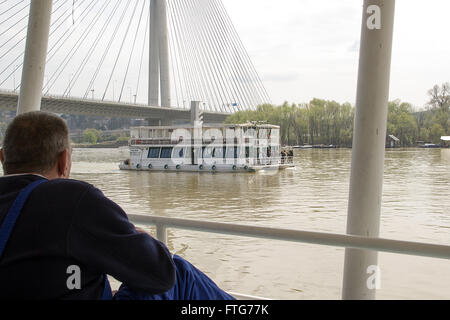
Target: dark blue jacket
[[66, 223]]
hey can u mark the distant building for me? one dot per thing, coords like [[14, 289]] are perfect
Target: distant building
[[392, 141]]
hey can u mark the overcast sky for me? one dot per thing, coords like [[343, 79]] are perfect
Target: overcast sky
[[301, 48], [309, 48]]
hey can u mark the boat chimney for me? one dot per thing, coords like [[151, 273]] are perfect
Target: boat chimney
[[196, 114]]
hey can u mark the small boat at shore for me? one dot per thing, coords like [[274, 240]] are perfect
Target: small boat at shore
[[430, 146], [247, 147]]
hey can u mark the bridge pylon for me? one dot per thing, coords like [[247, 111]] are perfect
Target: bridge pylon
[[35, 56], [159, 74]]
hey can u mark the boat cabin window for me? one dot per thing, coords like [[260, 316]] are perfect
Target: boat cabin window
[[153, 153], [166, 153], [217, 153], [178, 153], [212, 152], [233, 152], [206, 152]]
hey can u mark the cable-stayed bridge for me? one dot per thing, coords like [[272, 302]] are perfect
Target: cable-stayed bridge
[[133, 58]]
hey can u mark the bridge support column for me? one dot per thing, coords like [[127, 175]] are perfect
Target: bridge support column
[[159, 73], [164, 54], [153, 81], [35, 56], [361, 271]]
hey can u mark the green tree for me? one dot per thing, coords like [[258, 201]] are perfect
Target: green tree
[[440, 97], [436, 132], [91, 136], [401, 122], [318, 121], [438, 111]]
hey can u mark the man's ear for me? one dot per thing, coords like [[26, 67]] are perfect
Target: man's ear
[[2, 157], [63, 164]]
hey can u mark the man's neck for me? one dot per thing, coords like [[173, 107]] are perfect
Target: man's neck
[[24, 174]]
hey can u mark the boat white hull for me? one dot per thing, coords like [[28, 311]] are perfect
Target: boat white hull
[[205, 168]]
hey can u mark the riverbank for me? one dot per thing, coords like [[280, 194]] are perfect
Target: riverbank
[[102, 145]]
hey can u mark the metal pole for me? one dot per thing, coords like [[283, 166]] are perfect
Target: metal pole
[[366, 182], [164, 53], [35, 56]]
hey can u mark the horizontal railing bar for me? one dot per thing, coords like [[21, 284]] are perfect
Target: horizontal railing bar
[[327, 239], [240, 296]]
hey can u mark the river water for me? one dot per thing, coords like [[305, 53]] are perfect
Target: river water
[[313, 197]]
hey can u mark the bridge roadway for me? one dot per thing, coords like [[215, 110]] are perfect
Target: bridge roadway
[[8, 101]]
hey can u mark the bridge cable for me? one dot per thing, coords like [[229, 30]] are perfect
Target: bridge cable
[[227, 45], [200, 60], [263, 90], [18, 57], [91, 50], [1, 14], [12, 16], [224, 43], [120, 51], [241, 74], [113, 36], [66, 15], [207, 52], [196, 93], [199, 70], [23, 53], [213, 43], [173, 56], [142, 52], [62, 66], [186, 83], [216, 45], [259, 83], [132, 49], [238, 58]]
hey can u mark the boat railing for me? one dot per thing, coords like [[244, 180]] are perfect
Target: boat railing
[[317, 238]]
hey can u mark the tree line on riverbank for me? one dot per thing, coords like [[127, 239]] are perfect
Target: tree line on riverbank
[[331, 123]]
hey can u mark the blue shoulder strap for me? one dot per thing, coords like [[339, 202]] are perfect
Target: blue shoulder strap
[[11, 219], [14, 213], [107, 292]]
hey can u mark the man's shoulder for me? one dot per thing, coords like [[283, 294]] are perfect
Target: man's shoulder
[[69, 183], [69, 187]]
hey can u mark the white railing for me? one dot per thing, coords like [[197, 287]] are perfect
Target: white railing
[[319, 238]]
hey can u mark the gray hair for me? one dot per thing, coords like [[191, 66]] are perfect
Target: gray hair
[[33, 142]]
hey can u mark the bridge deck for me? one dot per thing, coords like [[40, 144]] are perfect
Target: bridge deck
[[8, 101]]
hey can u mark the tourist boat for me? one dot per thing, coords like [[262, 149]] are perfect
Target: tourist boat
[[247, 147]]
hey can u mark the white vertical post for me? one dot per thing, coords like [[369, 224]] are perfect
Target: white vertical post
[[35, 56], [366, 182], [161, 233], [153, 76], [164, 54]]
